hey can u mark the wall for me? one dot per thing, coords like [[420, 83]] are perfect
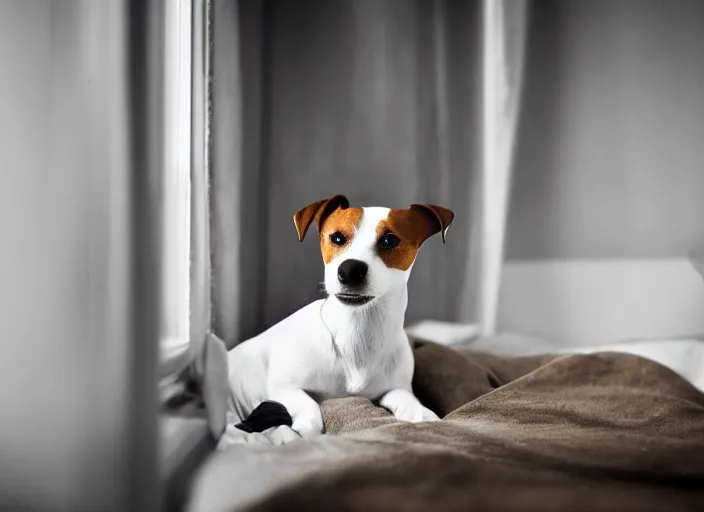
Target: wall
[[598, 301], [607, 199], [379, 101], [609, 160]]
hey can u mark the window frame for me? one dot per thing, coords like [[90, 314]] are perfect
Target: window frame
[[185, 435]]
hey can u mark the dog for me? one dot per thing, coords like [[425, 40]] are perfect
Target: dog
[[353, 342]]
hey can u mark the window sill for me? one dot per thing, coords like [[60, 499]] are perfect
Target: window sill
[[186, 441], [175, 355]]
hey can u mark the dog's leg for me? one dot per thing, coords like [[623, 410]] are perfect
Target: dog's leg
[[406, 407], [305, 412]]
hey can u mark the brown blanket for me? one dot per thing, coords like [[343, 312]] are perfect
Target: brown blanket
[[581, 432]]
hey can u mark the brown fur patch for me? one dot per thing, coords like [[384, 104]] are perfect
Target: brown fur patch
[[317, 212], [413, 227], [343, 220]]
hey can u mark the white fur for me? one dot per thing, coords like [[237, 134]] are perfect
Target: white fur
[[328, 349]]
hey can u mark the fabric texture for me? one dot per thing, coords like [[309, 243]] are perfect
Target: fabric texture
[[374, 100], [591, 432]]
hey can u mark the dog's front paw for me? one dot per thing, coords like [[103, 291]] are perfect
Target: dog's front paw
[[415, 414], [308, 424], [404, 405], [232, 435]]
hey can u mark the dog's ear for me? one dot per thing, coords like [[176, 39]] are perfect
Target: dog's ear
[[318, 212], [434, 219]]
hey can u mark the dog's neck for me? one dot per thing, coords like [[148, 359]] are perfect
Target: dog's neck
[[360, 333]]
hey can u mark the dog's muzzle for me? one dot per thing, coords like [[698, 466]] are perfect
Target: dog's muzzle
[[352, 274]]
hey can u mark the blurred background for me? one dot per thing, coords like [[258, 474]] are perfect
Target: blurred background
[[383, 101]]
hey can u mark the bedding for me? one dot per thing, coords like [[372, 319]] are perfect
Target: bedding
[[598, 432], [685, 355]]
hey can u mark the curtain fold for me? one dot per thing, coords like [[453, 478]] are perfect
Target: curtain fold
[[381, 101], [503, 52], [81, 129]]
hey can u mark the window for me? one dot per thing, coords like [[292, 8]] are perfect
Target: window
[[176, 352], [186, 257]]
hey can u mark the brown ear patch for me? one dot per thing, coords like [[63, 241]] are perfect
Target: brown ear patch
[[318, 212], [443, 217], [413, 227], [344, 221]]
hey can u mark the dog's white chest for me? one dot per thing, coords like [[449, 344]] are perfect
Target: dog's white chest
[[344, 380], [370, 373], [336, 357], [355, 383], [337, 376]]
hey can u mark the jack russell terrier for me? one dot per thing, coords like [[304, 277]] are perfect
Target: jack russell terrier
[[351, 343]]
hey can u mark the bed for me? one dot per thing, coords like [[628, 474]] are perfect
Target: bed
[[597, 430], [682, 354]]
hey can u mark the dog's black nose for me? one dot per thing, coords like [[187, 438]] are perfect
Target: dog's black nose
[[352, 272]]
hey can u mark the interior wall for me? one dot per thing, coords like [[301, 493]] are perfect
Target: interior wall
[[344, 97], [609, 158], [593, 301], [607, 197]]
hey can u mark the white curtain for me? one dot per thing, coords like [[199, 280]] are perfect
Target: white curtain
[[503, 28], [503, 53], [80, 296], [390, 103]]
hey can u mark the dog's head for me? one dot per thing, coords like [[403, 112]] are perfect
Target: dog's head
[[369, 252]]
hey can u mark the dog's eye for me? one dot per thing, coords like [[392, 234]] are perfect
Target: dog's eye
[[338, 238], [389, 241]]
